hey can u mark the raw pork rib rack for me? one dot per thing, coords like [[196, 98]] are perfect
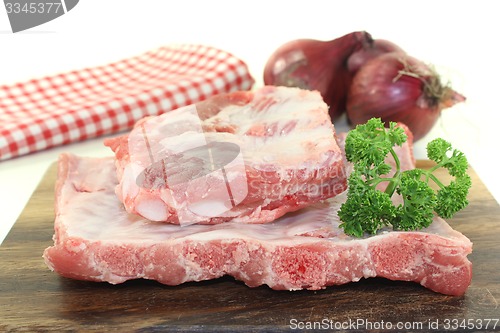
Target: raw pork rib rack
[[277, 144], [97, 239]]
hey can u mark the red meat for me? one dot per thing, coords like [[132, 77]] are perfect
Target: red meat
[[96, 239]]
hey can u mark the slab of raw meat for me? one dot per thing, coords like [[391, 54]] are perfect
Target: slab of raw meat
[[274, 151], [96, 239]]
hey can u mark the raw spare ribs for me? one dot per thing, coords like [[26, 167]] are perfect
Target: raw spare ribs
[[96, 239], [248, 157]]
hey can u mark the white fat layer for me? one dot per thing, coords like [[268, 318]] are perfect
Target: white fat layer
[[152, 209], [279, 108], [89, 209]]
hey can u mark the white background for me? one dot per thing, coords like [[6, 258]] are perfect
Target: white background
[[460, 39]]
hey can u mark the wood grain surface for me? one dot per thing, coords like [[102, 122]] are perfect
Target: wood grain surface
[[34, 299]]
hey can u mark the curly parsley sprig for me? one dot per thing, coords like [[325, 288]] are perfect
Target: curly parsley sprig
[[368, 209]]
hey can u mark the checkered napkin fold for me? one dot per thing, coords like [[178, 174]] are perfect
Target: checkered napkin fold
[[56, 110]]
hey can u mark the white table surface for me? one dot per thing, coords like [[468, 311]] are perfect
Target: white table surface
[[459, 39]]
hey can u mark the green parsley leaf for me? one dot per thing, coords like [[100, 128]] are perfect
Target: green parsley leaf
[[368, 209]]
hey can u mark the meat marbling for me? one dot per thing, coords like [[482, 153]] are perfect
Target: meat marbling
[[96, 239], [285, 158]]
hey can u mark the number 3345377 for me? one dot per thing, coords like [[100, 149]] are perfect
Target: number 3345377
[[33, 7]]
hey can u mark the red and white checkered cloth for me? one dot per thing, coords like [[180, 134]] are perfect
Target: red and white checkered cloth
[[88, 103]]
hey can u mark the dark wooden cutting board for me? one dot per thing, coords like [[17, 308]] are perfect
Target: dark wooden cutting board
[[32, 298]]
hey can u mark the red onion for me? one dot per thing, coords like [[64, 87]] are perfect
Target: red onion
[[316, 65], [400, 88]]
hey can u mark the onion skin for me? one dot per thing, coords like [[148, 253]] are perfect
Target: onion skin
[[397, 87], [372, 48], [316, 65]]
